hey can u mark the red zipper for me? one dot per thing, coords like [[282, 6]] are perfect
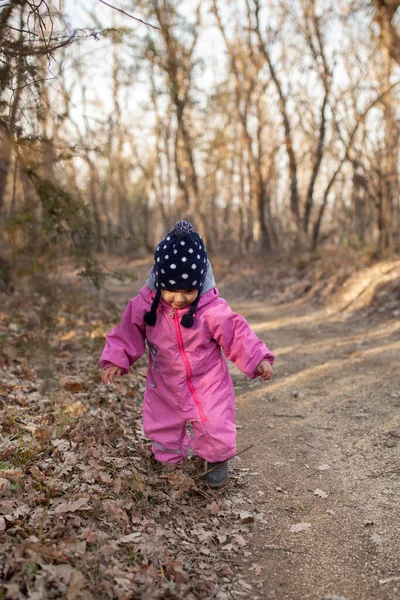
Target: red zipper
[[187, 367]]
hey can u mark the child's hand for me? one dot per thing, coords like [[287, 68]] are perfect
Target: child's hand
[[109, 374], [265, 370]]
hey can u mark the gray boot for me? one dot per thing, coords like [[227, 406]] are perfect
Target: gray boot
[[218, 475]]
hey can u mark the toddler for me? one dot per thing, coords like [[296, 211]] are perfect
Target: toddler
[[186, 325]]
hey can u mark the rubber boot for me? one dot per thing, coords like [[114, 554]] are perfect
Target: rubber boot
[[218, 475]]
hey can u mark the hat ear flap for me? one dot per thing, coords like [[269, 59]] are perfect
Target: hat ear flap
[[150, 317], [187, 320]]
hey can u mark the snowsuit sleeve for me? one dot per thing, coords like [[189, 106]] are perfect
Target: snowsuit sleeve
[[125, 344], [238, 341]]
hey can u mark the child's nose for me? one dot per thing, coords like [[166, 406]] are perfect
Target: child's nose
[[179, 298]]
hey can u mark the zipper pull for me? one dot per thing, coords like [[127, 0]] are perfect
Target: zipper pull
[[171, 316]]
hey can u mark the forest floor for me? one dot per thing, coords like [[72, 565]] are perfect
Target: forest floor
[[311, 509]]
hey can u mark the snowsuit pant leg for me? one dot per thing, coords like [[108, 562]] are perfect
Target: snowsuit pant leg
[[215, 440], [167, 429]]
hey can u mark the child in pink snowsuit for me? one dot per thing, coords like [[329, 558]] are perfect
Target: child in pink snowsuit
[[187, 325]]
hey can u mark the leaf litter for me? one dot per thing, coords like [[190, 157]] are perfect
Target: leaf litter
[[84, 511]]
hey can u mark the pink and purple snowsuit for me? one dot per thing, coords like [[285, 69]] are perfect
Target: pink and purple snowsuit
[[188, 378]]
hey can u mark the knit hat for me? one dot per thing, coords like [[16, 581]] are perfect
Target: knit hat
[[180, 263]]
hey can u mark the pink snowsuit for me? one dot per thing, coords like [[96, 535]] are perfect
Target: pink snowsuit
[[188, 378]]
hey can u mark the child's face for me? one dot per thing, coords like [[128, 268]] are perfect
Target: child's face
[[179, 298]]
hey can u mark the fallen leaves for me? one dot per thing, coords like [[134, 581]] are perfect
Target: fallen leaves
[[68, 507], [79, 494], [213, 508], [323, 467], [73, 386], [131, 537], [246, 517], [114, 512], [180, 483], [5, 487], [377, 539], [298, 527]]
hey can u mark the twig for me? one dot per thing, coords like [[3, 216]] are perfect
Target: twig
[[21, 30], [203, 493], [310, 445], [273, 539], [21, 87], [128, 15], [287, 415], [388, 472], [198, 475], [318, 427], [273, 547]]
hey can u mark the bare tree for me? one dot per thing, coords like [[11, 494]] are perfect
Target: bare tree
[[385, 12]]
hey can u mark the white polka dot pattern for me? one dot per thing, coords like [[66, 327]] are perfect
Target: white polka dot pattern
[[174, 266]]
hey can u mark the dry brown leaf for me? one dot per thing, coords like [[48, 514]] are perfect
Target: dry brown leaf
[[72, 386], [76, 409], [299, 527], [5, 487], [213, 508], [76, 586], [131, 537], [320, 493], [105, 477], [13, 592], [180, 483], [10, 351], [80, 504], [12, 474], [115, 512], [174, 571], [246, 517], [324, 467], [75, 547], [258, 569], [117, 485], [239, 540]]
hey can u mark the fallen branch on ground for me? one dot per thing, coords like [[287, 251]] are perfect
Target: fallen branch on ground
[[216, 466]]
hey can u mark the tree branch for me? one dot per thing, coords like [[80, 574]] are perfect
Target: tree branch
[[128, 15]]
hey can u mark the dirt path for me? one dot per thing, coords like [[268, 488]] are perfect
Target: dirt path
[[330, 421]]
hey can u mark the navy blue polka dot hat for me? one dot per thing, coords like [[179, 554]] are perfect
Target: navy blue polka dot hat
[[180, 263]]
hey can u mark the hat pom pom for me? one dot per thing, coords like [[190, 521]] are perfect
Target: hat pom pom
[[183, 228], [187, 320], [150, 318]]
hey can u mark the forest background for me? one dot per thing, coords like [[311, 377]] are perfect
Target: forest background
[[270, 125]]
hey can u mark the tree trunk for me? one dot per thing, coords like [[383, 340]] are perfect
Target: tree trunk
[[389, 171]]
